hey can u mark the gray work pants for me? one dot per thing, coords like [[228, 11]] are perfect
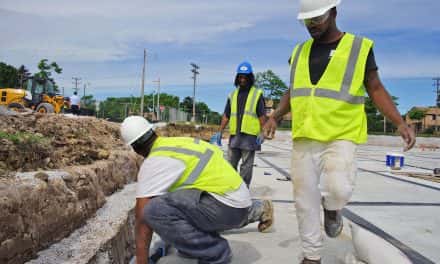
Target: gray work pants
[[247, 162], [190, 220]]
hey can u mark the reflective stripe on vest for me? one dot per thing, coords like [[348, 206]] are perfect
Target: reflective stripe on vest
[[250, 122], [203, 161], [343, 93], [333, 108], [205, 167]]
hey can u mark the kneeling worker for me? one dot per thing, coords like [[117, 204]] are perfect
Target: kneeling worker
[[187, 193]]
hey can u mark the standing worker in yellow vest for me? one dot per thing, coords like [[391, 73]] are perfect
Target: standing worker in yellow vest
[[330, 74], [246, 116], [187, 193]]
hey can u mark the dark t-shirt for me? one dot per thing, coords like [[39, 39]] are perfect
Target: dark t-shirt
[[243, 140], [320, 56]]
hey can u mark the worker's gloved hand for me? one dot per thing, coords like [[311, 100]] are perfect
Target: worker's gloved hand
[[216, 139], [260, 139]]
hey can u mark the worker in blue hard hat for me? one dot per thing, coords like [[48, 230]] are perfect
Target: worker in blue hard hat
[[246, 116]]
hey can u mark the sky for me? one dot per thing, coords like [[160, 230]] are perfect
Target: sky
[[102, 42]]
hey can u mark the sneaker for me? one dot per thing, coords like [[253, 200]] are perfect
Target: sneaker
[[266, 220], [309, 261], [333, 222]]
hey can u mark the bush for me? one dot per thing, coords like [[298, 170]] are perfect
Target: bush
[[429, 130]]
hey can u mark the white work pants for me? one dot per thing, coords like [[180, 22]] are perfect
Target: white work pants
[[321, 172]]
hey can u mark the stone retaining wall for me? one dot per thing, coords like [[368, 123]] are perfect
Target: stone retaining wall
[[40, 208]]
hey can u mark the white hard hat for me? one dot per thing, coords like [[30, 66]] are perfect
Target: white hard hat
[[315, 8], [134, 127]]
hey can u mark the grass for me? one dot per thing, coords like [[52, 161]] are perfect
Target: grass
[[23, 137]]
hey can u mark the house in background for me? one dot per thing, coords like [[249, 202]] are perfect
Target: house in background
[[430, 120], [270, 108]]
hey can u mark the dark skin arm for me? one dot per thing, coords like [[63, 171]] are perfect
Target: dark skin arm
[[263, 120], [384, 103], [143, 232], [282, 109], [224, 122]]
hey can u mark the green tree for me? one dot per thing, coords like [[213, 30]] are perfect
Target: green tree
[[375, 118], [168, 100], [88, 102], [272, 85], [214, 118], [23, 75], [116, 109], [202, 112], [416, 114], [46, 69], [187, 104], [8, 75]]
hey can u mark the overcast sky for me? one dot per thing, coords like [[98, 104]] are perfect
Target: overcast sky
[[102, 42]]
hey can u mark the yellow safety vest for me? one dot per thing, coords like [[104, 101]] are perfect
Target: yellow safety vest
[[250, 123], [332, 109], [206, 169]]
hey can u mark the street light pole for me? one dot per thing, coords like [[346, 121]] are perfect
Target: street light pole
[[195, 72]]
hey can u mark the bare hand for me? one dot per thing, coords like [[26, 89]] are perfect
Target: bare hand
[[408, 136], [270, 127]]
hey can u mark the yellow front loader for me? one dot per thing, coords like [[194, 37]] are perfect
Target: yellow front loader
[[39, 96]]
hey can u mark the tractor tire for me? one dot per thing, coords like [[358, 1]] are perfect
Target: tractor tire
[[16, 107], [45, 108]]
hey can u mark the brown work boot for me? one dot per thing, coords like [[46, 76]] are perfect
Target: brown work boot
[[333, 222], [309, 261], [266, 220]]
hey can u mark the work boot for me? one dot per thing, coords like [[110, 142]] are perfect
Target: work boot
[[266, 220], [333, 222], [309, 261]]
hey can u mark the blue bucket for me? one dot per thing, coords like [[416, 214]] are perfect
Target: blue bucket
[[395, 161]]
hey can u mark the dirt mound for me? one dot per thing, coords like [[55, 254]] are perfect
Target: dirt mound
[[49, 141], [204, 132]]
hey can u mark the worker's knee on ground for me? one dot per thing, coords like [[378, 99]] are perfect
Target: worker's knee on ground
[[221, 253]]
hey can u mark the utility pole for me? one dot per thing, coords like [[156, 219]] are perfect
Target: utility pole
[[143, 83], [63, 90], [158, 98], [437, 86], [195, 72], [85, 84], [76, 81]]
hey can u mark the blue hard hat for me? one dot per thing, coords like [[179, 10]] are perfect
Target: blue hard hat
[[244, 68]]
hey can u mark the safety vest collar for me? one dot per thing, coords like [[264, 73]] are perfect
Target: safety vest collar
[[204, 159], [343, 93], [253, 93]]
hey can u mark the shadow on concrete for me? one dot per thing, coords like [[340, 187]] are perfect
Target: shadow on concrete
[[243, 253], [245, 230]]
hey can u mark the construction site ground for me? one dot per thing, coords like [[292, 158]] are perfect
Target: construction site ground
[[402, 210], [399, 208]]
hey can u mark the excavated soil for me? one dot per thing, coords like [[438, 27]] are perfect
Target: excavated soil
[[56, 171], [38, 141]]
